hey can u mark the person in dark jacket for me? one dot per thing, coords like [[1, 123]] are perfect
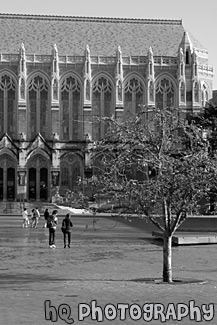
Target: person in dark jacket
[[46, 216], [67, 229], [52, 225]]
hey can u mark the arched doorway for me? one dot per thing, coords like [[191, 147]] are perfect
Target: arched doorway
[[32, 183], [8, 181], [43, 183], [38, 178]]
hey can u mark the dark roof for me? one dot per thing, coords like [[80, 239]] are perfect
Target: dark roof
[[103, 35]]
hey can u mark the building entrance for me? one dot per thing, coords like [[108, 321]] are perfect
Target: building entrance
[[8, 178], [32, 184], [10, 184], [38, 179], [43, 183]]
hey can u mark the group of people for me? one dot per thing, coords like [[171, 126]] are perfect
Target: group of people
[[34, 219], [51, 222]]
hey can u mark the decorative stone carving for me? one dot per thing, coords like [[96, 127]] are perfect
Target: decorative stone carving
[[55, 89], [55, 74], [22, 73], [182, 91], [87, 77], [119, 78], [150, 67], [196, 91], [55, 180], [55, 55], [87, 68], [151, 91], [119, 65], [195, 65], [22, 136], [22, 178], [150, 77], [22, 60], [87, 89], [181, 66], [55, 137], [119, 86]]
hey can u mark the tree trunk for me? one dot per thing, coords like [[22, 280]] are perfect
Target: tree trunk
[[167, 259]]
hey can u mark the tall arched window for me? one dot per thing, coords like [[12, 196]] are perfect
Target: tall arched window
[[71, 119], [8, 114], [187, 57], [38, 107], [65, 177], [70, 172], [102, 106], [165, 94], [133, 97]]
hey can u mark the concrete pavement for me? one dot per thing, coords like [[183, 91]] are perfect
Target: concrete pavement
[[110, 262]]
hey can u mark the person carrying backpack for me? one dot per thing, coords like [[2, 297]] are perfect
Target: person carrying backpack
[[66, 229], [52, 225]]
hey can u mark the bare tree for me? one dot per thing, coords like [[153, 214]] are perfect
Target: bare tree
[[155, 165]]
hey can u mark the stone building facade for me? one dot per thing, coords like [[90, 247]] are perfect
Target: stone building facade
[[60, 75]]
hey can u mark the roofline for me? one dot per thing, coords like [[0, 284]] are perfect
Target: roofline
[[92, 19]]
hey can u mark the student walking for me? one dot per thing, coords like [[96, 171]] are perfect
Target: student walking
[[52, 225], [66, 229], [46, 216], [37, 216], [25, 223], [33, 218]]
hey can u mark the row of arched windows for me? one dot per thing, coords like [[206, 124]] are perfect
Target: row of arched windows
[[38, 97]]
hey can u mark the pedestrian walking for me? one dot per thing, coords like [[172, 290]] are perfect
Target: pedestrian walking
[[67, 229], [33, 218], [37, 216], [25, 223], [46, 216], [52, 225]]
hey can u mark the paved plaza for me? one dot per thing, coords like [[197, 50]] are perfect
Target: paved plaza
[[109, 263]]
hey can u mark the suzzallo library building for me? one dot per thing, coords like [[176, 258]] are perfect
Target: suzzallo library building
[[57, 74]]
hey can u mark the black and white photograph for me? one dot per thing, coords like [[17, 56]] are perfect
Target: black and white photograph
[[108, 162]]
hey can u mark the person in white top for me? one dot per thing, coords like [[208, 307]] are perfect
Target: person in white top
[[25, 223], [35, 217]]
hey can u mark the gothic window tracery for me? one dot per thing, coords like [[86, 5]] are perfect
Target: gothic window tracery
[[7, 105], [165, 94], [70, 172], [70, 109], [102, 106], [133, 96], [38, 106]]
